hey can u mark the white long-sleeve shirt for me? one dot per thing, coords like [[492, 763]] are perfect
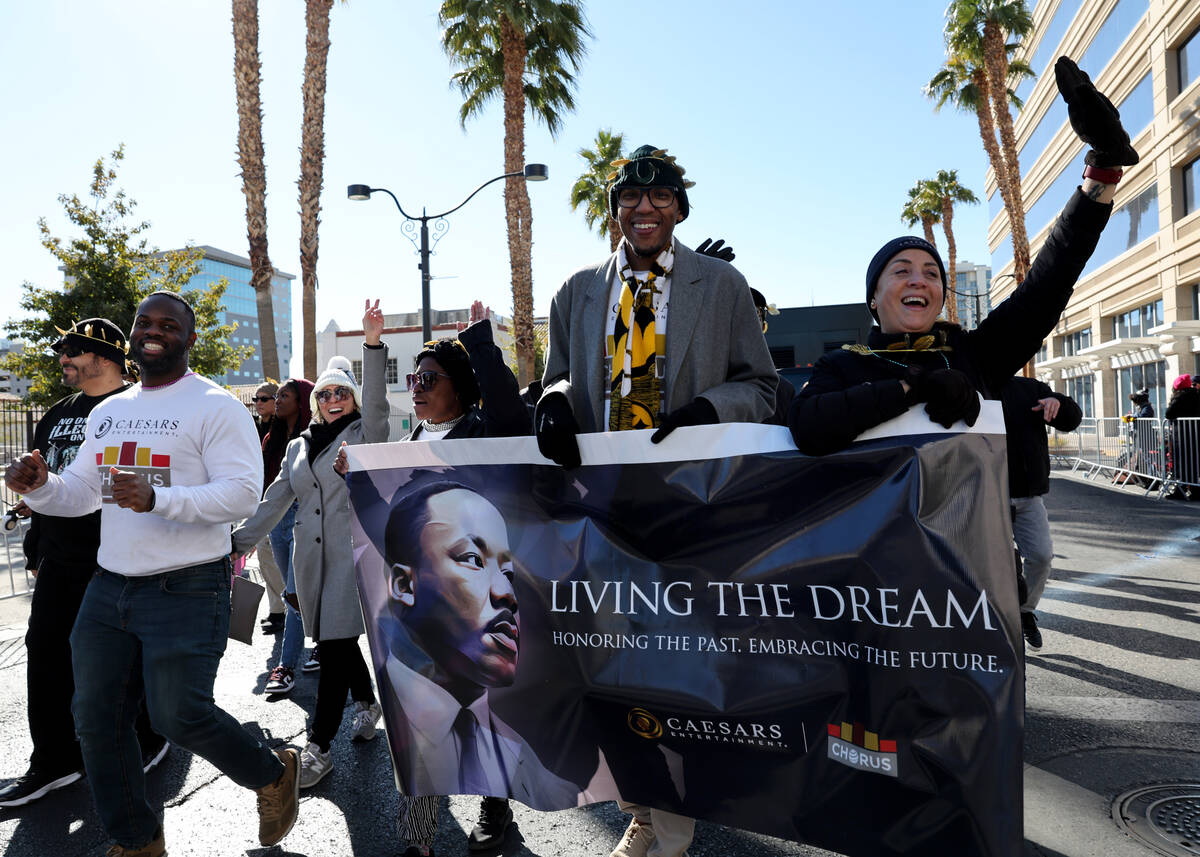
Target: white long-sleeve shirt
[[194, 443]]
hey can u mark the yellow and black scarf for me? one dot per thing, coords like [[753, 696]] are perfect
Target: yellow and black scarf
[[636, 350]]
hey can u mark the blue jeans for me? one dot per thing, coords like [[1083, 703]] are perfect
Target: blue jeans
[[293, 626], [176, 623]]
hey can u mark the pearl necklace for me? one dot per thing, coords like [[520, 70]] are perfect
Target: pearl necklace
[[446, 426]]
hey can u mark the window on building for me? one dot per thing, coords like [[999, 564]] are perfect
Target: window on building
[[1081, 390], [1075, 342], [1152, 377], [356, 368], [1189, 59], [1043, 353], [1129, 225], [1188, 174], [393, 370], [784, 356], [1196, 301], [1138, 321]]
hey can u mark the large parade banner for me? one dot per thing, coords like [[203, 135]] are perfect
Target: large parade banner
[[824, 649]]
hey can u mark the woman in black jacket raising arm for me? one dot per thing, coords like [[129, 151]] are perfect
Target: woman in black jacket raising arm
[[911, 357]]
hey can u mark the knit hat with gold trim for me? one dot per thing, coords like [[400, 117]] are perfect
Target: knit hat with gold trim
[[648, 167], [97, 336]]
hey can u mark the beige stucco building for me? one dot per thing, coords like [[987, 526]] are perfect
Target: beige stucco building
[[1134, 320]]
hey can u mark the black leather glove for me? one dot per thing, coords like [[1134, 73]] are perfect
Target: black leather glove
[[948, 395], [698, 412], [555, 426], [1093, 118], [718, 250]]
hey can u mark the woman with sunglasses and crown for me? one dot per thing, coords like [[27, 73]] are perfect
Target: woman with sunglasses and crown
[[322, 557]]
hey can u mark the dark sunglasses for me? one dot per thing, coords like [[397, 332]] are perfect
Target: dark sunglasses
[[72, 350], [427, 380], [264, 398], [334, 393]]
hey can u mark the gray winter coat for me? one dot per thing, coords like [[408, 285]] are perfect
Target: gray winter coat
[[322, 557]]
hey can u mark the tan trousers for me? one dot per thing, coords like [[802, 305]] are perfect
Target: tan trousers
[[271, 575], [672, 833]]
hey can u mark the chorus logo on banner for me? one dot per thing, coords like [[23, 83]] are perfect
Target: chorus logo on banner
[[852, 745], [747, 733]]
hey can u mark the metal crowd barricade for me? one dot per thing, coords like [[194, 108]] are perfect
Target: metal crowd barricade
[[1151, 453], [16, 438]]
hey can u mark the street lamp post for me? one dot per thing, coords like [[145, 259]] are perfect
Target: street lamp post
[[531, 172]]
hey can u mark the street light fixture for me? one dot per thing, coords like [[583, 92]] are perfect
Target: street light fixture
[[531, 172]]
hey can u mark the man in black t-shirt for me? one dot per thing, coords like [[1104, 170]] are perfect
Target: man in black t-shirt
[[62, 554]]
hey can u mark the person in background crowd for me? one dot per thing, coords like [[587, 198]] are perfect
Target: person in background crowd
[[171, 463], [461, 389], [264, 407], [1184, 437], [61, 551], [785, 392], [617, 362], [1030, 406], [1141, 439], [911, 357], [322, 556], [293, 413]]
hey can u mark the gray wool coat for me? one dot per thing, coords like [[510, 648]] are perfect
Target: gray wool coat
[[322, 556], [715, 345]]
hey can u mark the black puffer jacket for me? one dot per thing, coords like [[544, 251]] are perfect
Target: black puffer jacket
[[849, 392], [1028, 448]]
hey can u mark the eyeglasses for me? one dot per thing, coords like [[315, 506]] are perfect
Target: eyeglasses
[[264, 398], [631, 197], [330, 393], [72, 350], [427, 380]]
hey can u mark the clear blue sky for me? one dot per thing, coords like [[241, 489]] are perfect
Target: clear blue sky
[[802, 123]]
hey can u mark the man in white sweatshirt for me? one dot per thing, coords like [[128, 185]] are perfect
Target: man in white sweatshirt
[[170, 463]]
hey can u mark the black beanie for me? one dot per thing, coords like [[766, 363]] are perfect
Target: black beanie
[[890, 249], [648, 167]]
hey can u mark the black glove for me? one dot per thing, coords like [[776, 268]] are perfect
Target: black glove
[[948, 395], [556, 428], [717, 251], [1093, 118], [698, 412], [478, 333]]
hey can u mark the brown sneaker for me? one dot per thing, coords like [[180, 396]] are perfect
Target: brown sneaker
[[157, 848], [279, 802]]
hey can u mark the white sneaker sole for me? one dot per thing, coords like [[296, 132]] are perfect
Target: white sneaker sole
[[61, 782]]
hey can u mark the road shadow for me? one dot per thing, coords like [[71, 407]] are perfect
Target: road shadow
[[1124, 683]]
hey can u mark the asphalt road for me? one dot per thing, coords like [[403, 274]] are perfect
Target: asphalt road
[[1113, 702]]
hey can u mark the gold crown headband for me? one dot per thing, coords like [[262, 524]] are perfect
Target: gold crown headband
[[657, 154], [433, 343], [89, 332]]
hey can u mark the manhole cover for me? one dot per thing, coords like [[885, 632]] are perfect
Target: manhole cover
[[1165, 817]]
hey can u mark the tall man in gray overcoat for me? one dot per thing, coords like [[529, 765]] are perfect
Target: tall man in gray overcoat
[[655, 337]]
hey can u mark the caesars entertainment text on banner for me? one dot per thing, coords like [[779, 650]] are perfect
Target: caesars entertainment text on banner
[[821, 649]]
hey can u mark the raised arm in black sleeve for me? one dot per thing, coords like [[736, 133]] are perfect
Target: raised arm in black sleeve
[[504, 412]]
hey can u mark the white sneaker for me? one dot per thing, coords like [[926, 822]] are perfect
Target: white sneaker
[[636, 841], [314, 765], [365, 718]]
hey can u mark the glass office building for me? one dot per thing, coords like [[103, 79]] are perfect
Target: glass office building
[[240, 309], [1133, 319]]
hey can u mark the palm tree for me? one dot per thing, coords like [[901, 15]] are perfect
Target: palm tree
[[246, 75], [312, 165], [949, 191], [525, 51], [923, 206], [977, 49], [589, 189]]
